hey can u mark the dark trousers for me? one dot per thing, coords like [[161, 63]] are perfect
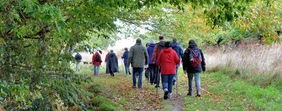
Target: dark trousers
[[126, 66], [111, 72], [154, 74]]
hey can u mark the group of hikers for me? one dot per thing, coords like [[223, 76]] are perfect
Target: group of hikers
[[160, 61]]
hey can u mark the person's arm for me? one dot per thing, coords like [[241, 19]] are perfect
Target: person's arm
[[154, 54], [116, 60], [130, 56], [100, 58], [123, 55], [203, 63], [159, 58], [106, 58], [181, 51], [176, 58], [93, 59], [185, 60], [146, 56]]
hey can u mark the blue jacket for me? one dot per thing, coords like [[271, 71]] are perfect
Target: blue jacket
[[150, 51], [177, 48], [125, 56]]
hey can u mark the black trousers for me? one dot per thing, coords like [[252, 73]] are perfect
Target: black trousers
[[154, 74]]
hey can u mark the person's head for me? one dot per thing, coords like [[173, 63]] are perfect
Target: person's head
[[100, 52], [147, 44], [174, 40], [111, 51], [167, 44], [161, 38], [192, 44], [125, 49], [151, 41], [138, 41]]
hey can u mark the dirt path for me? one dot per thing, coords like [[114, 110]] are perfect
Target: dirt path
[[148, 98], [177, 103]]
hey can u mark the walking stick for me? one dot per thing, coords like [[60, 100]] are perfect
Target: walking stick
[[124, 72], [176, 86]]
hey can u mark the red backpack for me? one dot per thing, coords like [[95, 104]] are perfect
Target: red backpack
[[196, 58]]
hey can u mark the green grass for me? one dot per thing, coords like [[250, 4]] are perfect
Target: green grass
[[253, 77], [222, 90], [234, 94]]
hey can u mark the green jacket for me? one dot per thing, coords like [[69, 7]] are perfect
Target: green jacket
[[138, 56]]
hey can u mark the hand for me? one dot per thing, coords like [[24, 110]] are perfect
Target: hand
[[184, 71], [204, 69], [146, 66]]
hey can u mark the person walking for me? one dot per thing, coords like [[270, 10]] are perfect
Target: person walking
[[167, 60], [78, 59], [152, 67], [96, 61], [157, 49], [179, 51], [125, 61], [112, 63], [193, 64], [138, 58]]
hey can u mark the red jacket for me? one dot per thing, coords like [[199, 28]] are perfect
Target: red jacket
[[168, 60], [94, 62]]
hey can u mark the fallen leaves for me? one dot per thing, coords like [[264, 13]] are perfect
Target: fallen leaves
[[119, 88]]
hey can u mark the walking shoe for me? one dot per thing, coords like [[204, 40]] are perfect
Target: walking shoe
[[170, 95], [198, 95], [189, 94], [133, 87], [166, 95]]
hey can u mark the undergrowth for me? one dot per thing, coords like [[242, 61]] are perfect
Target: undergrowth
[[72, 92]]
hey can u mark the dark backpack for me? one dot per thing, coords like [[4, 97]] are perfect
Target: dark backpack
[[196, 58], [98, 58], [78, 57]]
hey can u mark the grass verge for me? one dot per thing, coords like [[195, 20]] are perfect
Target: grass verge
[[225, 93]]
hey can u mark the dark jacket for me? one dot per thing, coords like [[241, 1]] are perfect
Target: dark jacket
[[77, 57], [112, 63], [150, 51], [158, 48], [186, 60], [125, 56], [177, 48], [138, 56]]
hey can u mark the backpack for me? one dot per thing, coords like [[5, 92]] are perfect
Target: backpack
[[196, 58], [78, 57], [98, 58]]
